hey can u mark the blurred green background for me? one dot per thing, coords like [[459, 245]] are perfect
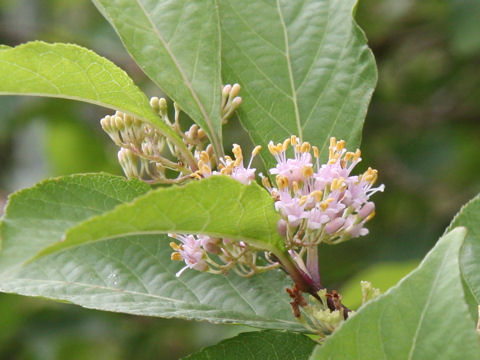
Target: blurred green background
[[422, 133]]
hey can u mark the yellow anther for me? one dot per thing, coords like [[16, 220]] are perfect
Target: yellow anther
[[295, 187], [337, 183], [298, 148], [317, 195], [205, 170], [324, 204], [307, 171], [200, 164], [227, 170], [221, 166], [228, 159], [370, 216], [175, 246], [349, 156], [176, 256], [196, 175], [256, 150], [303, 200], [333, 142], [340, 145], [204, 157], [282, 182], [306, 147], [237, 151], [358, 153], [266, 182], [293, 140], [272, 148], [285, 144], [316, 153], [370, 175]]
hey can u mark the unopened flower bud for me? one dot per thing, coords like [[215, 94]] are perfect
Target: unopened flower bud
[[226, 90], [106, 123], [366, 210], [236, 102], [128, 120], [162, 107], [154, 104], [334, 225], [235, 90], [282, 227]]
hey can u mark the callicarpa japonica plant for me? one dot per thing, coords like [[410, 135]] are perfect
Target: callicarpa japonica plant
[[206, 230]]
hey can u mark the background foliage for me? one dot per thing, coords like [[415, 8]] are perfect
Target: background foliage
[[422, 133]]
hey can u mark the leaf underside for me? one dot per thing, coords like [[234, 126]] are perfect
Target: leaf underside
[[130, 274]]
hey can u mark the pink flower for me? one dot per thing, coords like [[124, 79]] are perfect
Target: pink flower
[[191, 252], [290, 208], [292, 169]]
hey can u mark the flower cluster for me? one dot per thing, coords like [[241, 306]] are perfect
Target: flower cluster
[[216, 255], [143, 154], [319, 202], [143, 147]]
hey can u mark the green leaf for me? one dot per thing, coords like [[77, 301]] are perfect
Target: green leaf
[[131, 274], [72, 72], [304, 67], [177, 44], [469, 217], [218, 206], [4, 47], [37, 217], [264, 345], [424, 317]]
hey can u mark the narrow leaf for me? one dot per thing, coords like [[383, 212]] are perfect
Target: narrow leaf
[[177, 44], [304, 67], [218, 206], [265, 345], [424, 317], [131, 274], [72, 72]]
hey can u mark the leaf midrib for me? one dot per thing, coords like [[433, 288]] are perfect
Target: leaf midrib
[[256, 319], [290, 73], [189, 85], [425, 308]]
